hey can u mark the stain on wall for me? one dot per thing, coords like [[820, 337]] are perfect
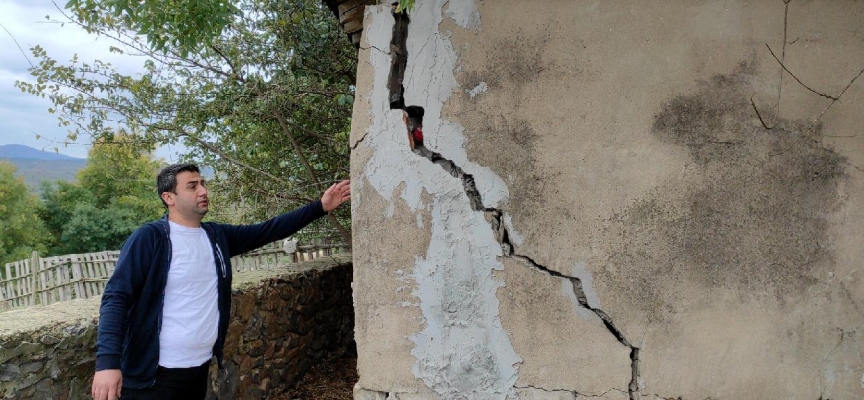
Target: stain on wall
[[752, 213], [512, 64]]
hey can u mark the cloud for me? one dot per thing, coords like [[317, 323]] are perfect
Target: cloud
[[24, 116]]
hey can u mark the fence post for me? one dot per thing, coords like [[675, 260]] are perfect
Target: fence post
[[34, 272]]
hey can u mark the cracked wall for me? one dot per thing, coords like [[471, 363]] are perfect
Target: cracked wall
[[656, 210]]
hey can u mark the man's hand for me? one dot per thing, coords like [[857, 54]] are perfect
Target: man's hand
[[107, 384], [336, 195]]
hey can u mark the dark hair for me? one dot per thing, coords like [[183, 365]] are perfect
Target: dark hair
[[166, 181], [415, 117]]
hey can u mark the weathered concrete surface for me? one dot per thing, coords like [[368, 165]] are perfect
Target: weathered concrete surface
[[532, 296], [284, 321], [621, 147]]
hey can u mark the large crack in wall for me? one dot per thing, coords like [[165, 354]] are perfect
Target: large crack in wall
[[502, 235], [399, 61], [462, 350], [783, 176], [493, 216]]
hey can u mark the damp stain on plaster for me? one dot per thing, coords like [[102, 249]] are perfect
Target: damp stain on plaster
[[517, 59], [503, 137], [502, 133], [750, 215]]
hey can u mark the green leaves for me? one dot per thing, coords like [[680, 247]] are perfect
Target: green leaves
[[115, 193], [184, 26], [405, 6], [21, 232], [266, 102], [345, 99]]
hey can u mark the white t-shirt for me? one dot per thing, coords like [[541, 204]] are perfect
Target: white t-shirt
[[190, 314]]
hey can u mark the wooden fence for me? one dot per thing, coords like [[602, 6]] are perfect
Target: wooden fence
[[79, 276], [279, 254]]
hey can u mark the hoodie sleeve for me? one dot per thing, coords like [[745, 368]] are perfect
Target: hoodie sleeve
[[121, 292], [243, 238]]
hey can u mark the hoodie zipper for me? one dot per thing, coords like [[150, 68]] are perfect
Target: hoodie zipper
[[221, 260], [220, 282], [164, 284]]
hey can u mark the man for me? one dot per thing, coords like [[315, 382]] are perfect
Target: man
[[165, 310]]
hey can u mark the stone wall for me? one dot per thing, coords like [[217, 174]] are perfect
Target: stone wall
[[630, 199], [283, 322]]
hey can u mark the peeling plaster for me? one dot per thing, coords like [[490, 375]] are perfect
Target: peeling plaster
[[463, 349], [515, 237], [464, 13], [481, 88], [567, 291], [580, 271]]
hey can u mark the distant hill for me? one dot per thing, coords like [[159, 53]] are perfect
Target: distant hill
[[37, 165], [17, 151]]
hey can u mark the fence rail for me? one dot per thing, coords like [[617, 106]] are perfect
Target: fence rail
[[80, 276]]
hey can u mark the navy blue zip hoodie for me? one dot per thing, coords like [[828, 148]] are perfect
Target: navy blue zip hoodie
[[130, 316]]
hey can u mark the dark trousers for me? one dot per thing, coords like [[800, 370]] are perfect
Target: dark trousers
[[174, 383]]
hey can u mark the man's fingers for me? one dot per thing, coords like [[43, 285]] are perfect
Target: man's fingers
[[107, 384], [343, 185]]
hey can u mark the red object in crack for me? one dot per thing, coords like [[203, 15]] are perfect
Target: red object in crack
[[418, 135]]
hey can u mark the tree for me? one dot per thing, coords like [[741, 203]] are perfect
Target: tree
[[92, 229], [21, 231], [120, 172], [267, 103], [179, 24], [59, 201], [115, 194]]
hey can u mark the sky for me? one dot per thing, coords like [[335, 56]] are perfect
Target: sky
[[24, 116]]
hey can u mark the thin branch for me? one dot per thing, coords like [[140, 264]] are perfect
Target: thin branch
[[227, 61], [310, 132], [282, 196], [215, 150], [218, 152], [297, 148], [796, 78], [345, 233], [19, 46]]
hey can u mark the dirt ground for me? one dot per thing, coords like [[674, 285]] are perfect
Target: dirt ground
[[333, 380]]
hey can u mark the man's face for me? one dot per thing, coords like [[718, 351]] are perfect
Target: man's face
[[190, 199]]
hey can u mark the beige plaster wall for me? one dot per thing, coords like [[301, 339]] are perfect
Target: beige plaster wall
[[620, 145]]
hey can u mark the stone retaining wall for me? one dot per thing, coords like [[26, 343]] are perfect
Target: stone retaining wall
[[284, 321]]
